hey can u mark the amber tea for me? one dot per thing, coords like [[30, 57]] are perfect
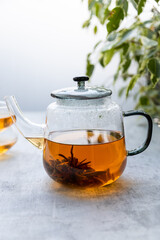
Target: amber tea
[[4, 147], [6, 135], [37, 142], [6, 121], [85, 158]]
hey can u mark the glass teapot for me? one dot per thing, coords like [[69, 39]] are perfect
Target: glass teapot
[[83, 139]]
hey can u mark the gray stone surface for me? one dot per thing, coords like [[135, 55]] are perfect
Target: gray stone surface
[[34, 207]]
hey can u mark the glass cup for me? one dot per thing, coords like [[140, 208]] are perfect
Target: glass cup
[[8, 135]]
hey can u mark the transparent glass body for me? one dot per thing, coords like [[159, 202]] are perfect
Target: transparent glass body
[[8, 135], [82, 141], [73, 114]]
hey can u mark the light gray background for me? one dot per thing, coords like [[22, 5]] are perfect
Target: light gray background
[[42, 47]]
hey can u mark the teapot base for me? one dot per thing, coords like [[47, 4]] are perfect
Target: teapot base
[[88, 180]]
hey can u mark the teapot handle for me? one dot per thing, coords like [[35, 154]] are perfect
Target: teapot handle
[[149, 132]]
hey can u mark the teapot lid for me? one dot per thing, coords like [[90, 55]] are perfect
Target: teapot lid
[[81, 92]]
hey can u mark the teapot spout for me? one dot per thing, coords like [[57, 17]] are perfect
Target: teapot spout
[[33, 132]]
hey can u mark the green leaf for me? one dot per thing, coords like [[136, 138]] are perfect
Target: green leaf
[[124, 36], [144, 100], [112, 36], [106, 13], [132, 84], [142, 65], [107, 57], [116, 75], [148, 43], [154, 67], [86, 23], [121, 91], [123, 4], [125, 48], [125, 7], [151, 53], [126, 63], [115, 40], [96, 45], [91, 3], [116, 15], [134, 3], [101, 59], [95, 29], [109, 45], [154, 80], [89, 69], [98, 7], [141, 5]]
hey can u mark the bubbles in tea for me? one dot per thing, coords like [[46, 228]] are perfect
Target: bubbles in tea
[[86, 158]]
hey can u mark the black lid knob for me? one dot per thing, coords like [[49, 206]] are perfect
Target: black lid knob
[[81, 82], [81, 79]]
